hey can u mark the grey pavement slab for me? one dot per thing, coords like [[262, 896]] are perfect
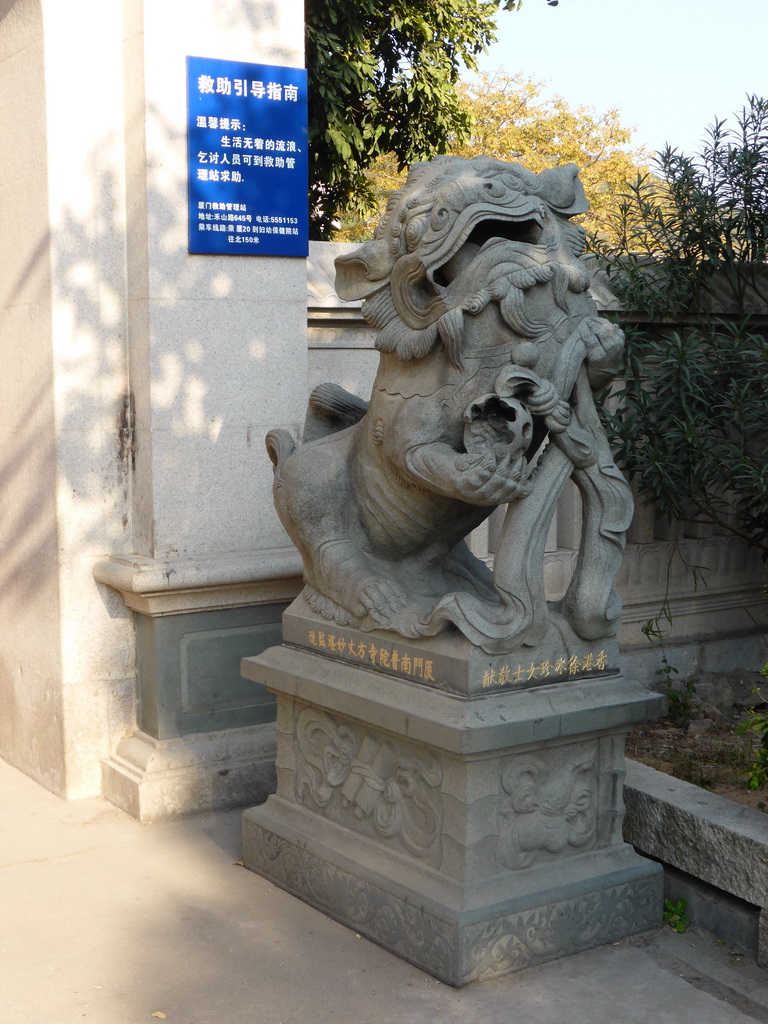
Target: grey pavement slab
[[105, 921]]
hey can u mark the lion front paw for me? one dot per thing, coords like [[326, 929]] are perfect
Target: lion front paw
[[383, 599]]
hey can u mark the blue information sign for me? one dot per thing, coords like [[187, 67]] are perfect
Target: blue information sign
[[248, 169]]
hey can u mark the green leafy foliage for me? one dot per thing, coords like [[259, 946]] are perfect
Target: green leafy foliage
[[757, 722], [681, 696], [695, 230], [382, 79], [691, 417], [691, 423], [675, 915]]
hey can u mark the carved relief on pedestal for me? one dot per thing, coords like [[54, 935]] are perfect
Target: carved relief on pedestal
[[364, 782], [410, 931], [516, 941], [548, 807]]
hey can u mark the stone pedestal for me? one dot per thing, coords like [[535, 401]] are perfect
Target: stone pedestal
[[473, 835]]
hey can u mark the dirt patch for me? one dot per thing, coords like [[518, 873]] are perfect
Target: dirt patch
[[702, 749]]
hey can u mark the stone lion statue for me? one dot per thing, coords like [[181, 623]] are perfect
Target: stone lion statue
[[490, 353]]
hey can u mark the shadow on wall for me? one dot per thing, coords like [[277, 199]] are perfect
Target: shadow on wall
[[99, 339], [76, 411]]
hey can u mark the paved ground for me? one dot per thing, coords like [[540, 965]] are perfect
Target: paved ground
[[104, 921]]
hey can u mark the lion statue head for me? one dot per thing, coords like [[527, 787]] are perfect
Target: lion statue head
[[513, 227]]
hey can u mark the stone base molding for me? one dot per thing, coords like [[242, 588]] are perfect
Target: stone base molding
[[153, 779]]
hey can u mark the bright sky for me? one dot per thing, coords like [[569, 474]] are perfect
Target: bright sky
[[670, 66]]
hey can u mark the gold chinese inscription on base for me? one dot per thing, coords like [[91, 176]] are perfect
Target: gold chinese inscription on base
[[389, 659], [407, 664], [560, 668]]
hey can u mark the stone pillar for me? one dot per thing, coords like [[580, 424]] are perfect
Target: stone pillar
[[138, 384], [217, 353]]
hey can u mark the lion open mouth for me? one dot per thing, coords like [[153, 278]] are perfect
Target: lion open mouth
[[526, 231]]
